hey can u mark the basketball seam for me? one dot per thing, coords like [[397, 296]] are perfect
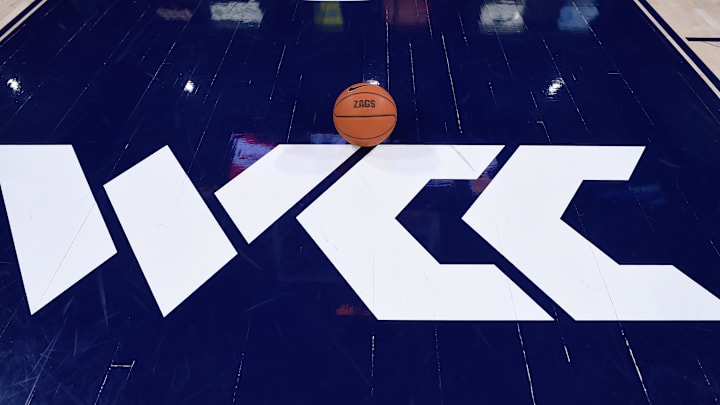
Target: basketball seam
[[364, 116], [339, 125], [374, 137], [365, 92]]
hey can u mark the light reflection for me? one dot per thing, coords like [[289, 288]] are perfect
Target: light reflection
[[189, 87], [243, 12], [407, 13], [577, 17], [505, 16], [478, 185], [327, 138], [246, 149], [555, 87], [174, 14], [329, 16], [14, 85]]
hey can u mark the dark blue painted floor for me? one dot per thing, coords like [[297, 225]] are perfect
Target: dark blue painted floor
[[278, 324]]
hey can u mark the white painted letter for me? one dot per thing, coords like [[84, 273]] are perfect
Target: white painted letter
[[354, 224], [176, 239], [266, 190], [519, 214], [59, 234]]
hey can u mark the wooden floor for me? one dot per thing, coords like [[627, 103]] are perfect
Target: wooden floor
[[10, 9], [180, 218], [696, 22]]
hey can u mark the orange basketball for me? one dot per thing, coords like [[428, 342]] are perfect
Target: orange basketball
[[365, 114]]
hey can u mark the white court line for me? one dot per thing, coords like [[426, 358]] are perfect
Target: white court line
[[682, 52], [12, 9]]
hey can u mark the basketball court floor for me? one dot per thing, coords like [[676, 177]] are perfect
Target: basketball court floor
[[180, 222]]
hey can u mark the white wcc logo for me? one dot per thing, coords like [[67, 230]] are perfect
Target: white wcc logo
[[60, 235]]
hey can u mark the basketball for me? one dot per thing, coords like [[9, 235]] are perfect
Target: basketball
[[365, 114]]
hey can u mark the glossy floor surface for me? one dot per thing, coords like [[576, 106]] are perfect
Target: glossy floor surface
[[133, 270]]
